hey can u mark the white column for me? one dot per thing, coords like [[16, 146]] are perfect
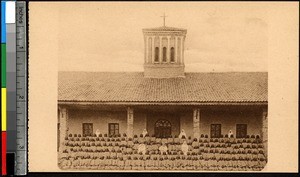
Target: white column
[[152, 56], [264, 135], [176, 48], [168, 50], [63, 127], [181, 57], [160, 49], [196, 123], [129, 122]]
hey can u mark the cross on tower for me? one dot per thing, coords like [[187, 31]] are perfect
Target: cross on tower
[[164, 16]]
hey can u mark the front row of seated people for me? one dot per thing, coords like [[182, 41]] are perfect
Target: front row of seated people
[[141, 156], [126, 162]]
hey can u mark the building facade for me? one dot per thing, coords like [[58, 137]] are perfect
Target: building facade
[[164, 99]]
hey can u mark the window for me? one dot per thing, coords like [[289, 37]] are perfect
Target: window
[[215, 130], [164, 54], [87, 129], [156, 59], [241, 130], [172, 54], [113, 129]]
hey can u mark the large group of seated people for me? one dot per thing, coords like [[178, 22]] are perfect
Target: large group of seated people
[[144, 152]]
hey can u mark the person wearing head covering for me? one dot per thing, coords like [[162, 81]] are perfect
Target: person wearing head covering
[[188, 163], [254, 155], [195, 163], [97, 162], [63, 162], [160, 163], [163, 149], [171, 146], [147, 138], [182, 133], [200, 163], [215, 163], [152, 138], [141, 139], [164, 140], [184, 148], [128, 163], [176, 139], [148, 163], [92, 162], [205, 163], [167, 162], [138, 162], [195, 142], [155, 163], [221, 164], [262, 163], [230, 133], [154, 154], [83, 162], [183, 163], [176, 162], [133, 163], [120, 163], [250, 164], [97, 132], [144, 133], [142, 148], [70, 161], [177, 146], [75, 163], [101, 162]]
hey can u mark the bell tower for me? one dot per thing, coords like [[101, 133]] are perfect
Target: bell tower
[[164, 52]]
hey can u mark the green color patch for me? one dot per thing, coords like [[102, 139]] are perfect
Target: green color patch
[[3, 65]]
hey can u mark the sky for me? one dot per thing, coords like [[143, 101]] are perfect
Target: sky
[[107, 36]]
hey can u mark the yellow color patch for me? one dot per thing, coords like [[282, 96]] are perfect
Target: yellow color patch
[[3, 109]]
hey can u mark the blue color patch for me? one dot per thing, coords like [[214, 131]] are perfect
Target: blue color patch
[[3, 25]]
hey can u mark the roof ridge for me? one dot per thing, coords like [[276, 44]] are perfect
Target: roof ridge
[[187, 72], [165, 28], [133, 86]]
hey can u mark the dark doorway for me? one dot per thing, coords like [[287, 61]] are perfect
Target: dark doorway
[[163, 129]]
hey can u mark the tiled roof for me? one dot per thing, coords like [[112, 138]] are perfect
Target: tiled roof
[[134, 87], [164, 28]]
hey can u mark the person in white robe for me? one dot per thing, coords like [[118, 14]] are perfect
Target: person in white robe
[[163, 149], [182, 133], [184, 148], [144, 133], [142, 148], [97, 132]]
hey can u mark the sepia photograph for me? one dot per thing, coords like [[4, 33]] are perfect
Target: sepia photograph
[[172, 115], [161, 87]]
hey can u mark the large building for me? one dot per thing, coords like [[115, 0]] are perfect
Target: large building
[[164, 99]]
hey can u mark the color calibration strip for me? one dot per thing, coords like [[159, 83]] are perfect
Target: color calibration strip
[[21, 89], [8, 83], [3, 88]]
